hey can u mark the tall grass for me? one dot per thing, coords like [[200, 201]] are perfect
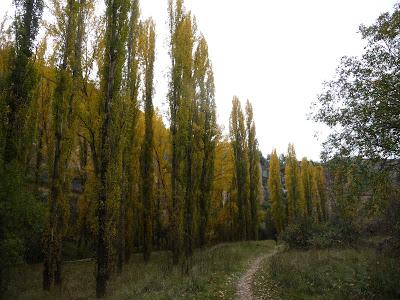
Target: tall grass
[[213, 273], [332, 274]]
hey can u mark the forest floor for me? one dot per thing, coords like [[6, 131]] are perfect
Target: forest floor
[[214, 274]]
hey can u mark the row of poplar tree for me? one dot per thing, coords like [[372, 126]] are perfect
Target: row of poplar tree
[[77, 109], [303, 194]]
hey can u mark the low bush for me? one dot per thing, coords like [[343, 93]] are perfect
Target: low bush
[[298, 234], [305, 234]]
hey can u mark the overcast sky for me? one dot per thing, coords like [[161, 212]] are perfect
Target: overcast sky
[[274, 53]]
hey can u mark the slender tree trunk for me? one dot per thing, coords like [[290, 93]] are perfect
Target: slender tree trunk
[[188, 238], [102, 253], [102, 249], [203, 197], [39, 158], [241, 209], [12, 136], [253, 195], [175, 201], [52, 233], [188, 226], [46, 275], [58, 262], [121, 235], [147, 185], [124, 248], [128, 241], [157, 222]]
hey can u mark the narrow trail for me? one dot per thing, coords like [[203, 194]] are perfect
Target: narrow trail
[[244, 286]]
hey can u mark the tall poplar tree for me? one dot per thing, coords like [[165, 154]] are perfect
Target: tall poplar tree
[[306, 177], [23, 77], [129, 212], [111, 80], [188, 118], [237, 131], [205, 97], [71, 23], [175, 18], [276, 193], [316, 213], [254, 171], [294, 186], [147, 167], [18, 90], [182, 109], [321, 182]]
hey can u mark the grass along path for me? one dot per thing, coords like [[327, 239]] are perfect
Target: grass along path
[[345, 273], [244, 287], [214, 274]]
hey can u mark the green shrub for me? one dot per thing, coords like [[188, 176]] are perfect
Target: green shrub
[[297, 235], [22, 220], [345, 231], [305, 234]]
